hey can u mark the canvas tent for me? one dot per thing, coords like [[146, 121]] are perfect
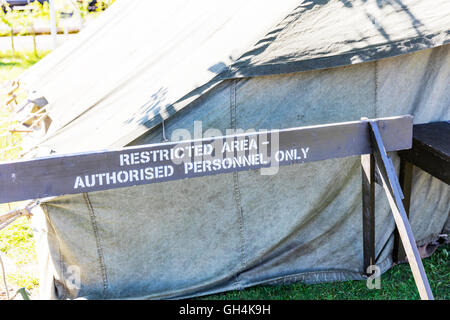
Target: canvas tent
[[146, 69]]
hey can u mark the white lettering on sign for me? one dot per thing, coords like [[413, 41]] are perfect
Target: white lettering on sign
[[239, 145], [305, 152], [123, 176], [223, 164], [235, 154], [243, 161], [144, 157]]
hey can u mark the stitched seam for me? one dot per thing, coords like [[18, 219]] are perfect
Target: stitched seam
[[236, 191], [101, 259], [237, 197]]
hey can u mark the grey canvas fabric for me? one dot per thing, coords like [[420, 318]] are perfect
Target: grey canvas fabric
[[200, 236], [324, 34]]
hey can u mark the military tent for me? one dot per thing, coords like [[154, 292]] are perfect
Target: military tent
[[147, 68]]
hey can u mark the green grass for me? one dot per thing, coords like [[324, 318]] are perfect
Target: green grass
[[17, 244], [16, 241], [24, 280], [13, 64], [396, 284]]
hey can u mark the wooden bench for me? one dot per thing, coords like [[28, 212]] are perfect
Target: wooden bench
[[430, 152]]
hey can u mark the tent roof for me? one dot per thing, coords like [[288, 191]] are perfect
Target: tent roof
[[119, 79], [324, 34]]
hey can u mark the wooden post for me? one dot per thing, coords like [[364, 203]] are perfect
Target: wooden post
[[394, 195], [405, 177], [368, 209]]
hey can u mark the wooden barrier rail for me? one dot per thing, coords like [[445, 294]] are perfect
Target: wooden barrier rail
[[107, 169]]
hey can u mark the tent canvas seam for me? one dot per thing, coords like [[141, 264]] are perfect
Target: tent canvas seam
[[101, 259], [236, 190]]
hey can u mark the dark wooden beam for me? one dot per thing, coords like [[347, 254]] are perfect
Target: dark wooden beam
[[107, 169], [395, 197], [431, 149], [368, 210], [405, 177]]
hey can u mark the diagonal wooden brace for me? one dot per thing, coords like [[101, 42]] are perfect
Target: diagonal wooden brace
[[394, 194]]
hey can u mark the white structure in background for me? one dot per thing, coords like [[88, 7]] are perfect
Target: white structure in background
[[53, 30]]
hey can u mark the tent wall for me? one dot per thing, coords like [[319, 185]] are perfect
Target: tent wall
[[211, 234]]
